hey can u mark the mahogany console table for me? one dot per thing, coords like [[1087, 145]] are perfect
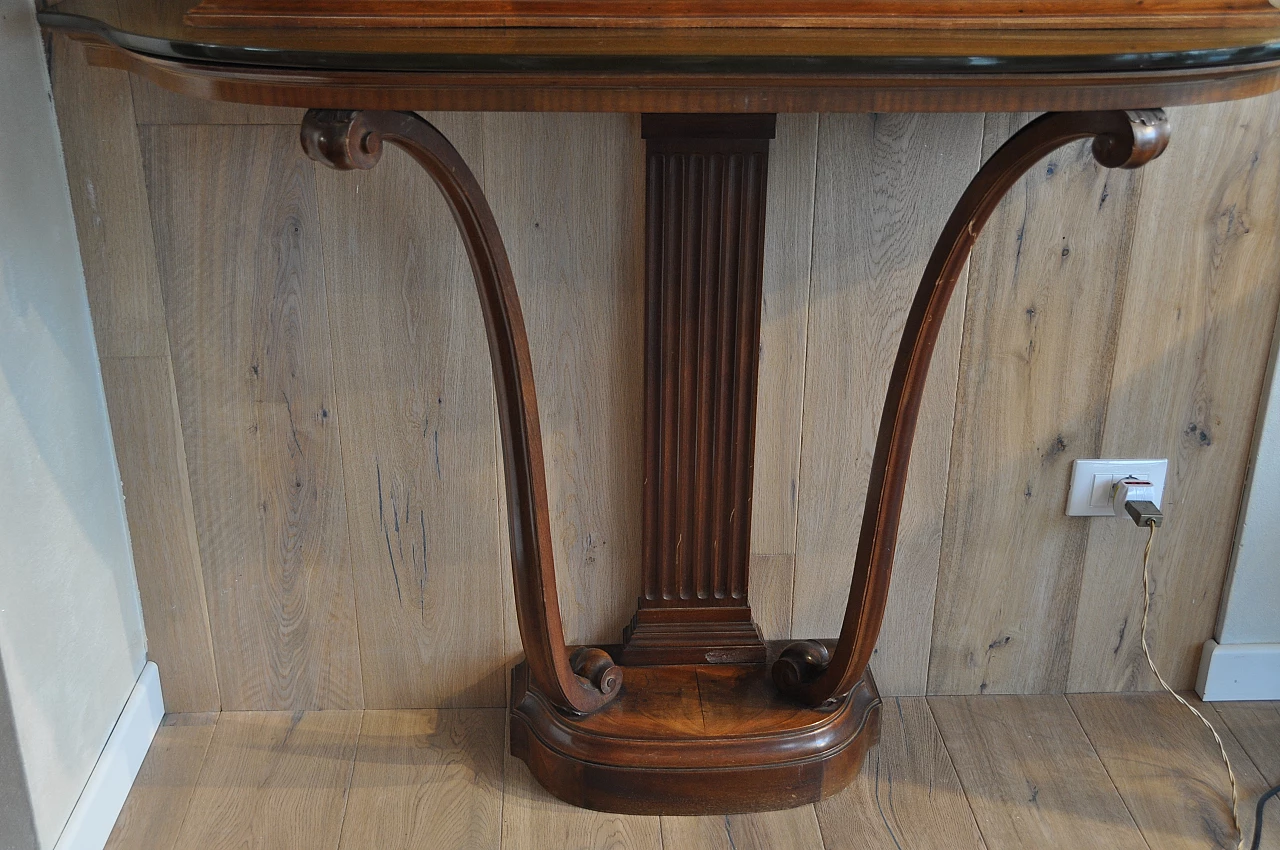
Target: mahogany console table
[[693, 712]]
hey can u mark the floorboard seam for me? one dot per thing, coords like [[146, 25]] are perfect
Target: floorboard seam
[[804, 378], [950, 758], [1226, 724], [191, 798], [1107, 771], [973, 816], [351, 772], [502, 796]]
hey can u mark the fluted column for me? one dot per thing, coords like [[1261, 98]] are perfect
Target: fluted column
[[704, 241]]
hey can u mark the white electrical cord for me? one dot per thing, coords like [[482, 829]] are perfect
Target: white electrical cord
[[1146, 650]]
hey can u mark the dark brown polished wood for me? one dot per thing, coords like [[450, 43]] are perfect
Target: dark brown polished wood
[[993, 63], [650, 92], [694, 740], [700, 723], [882, 14], [704, 258]]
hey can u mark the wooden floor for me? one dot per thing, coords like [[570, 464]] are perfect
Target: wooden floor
[[1113, 771]]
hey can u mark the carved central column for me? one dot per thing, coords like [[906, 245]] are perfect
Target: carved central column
[[704, 252]]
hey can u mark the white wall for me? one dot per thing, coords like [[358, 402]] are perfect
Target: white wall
[[1243, 661], [71, 637], [1251, 605]]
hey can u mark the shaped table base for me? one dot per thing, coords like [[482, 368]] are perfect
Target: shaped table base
[[685, 739]]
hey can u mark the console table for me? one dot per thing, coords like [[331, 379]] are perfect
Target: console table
[[693, 713]]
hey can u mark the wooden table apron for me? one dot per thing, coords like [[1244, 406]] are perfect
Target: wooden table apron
[[693, 712]]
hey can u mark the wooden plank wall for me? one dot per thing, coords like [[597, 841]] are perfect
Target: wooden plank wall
[[304, 416]]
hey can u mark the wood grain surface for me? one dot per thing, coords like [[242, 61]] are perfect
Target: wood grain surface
[[533, 820], [653, 91], [239, 247], [157, 804], [426, 780], [165, 18], [795, 829], [436, 779], [166, 554], [907, 795], [1045, 288], [580, 273], [1178, 391], [1028, 771], [1167, 768], [886, 185], [155, 105], [113, 228], [808, 56], [1256, 725], [784, 325], [414, 393], [109, 199], [1028, 600], [885, 14], [273, 781]]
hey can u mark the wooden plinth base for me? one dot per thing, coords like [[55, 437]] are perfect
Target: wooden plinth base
[[662, 636], [693, 740]]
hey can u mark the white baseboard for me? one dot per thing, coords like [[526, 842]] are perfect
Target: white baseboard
[[1239, 671], [103, 797]]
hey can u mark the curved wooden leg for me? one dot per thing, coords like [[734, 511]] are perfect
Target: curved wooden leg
[[352, 139], [808, 670]]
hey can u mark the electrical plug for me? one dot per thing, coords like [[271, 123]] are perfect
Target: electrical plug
[[1136, 499]]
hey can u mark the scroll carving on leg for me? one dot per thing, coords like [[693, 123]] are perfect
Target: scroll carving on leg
[[807, 670], [346, 140]]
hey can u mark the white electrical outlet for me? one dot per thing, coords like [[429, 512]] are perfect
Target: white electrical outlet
[[1092, 482]]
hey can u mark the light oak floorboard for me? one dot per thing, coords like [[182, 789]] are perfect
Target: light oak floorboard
[[273, 781], [100, 145], [907, 795], [567, 193], [415, 400], [1020, 608], [1045, 287], [1256, 725], [532, 819], [780, 399], [108, 196], [1199, 311], [885, 186], [1031, 775], [793, 829], [772, 578], [1169, 772], [426, 780], [1025, 774], [166, 554], [234, 213], [161, 793]]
